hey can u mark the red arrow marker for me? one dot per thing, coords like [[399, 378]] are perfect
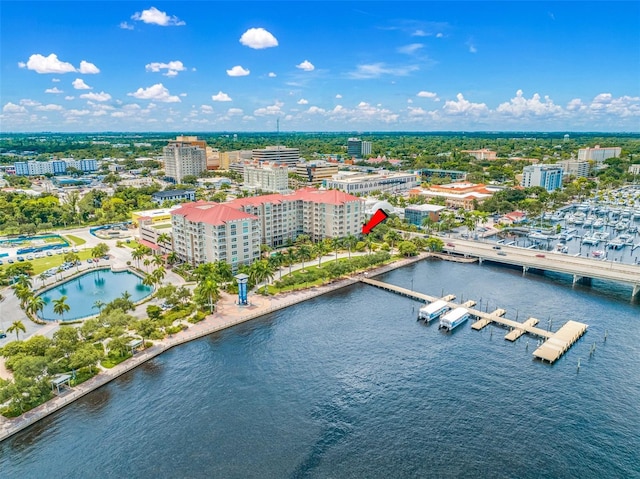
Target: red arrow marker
[[377, 218]]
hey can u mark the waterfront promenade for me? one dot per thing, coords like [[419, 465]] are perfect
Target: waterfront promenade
[[227, 314]]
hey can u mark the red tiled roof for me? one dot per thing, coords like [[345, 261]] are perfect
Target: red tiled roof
[[333, 197], [149, 244], [211, 213]]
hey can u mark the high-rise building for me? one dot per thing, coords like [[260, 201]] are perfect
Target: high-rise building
[[575, 168], [356, 148], [266, 176], [547, 176], [278, 154], [186, 155], [598, 154], [315, 172]]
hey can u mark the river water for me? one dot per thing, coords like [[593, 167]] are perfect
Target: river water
[[350, 385]]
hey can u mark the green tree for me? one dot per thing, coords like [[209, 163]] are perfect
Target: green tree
[[60, 306], [349, 242], [407, 248], [16, 327], [35, 305], [99, 250], [304, 253]]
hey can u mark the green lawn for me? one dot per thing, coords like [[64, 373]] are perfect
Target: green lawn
[[75, 240]]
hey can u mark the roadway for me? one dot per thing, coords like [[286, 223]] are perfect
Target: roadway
[[577, 266]]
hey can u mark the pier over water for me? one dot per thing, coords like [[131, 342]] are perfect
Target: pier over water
[[553, 347]]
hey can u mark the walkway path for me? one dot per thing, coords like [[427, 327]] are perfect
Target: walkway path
[[228, 314]]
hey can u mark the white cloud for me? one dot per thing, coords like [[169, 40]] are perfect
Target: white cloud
[[306, 66], [41, 64], [234, 111], [314, 110], [74, 113], [410, 49], [272, 75], [419, 33], [55, 90], [302, 101], [472, 46], [207, 109], [126, 26], [156, 92], [55, 80], [221, 96], [156, 17], [275, 109], [49, 107], [28, 102], [173, 67], [417, 112], [238, 71], [79, 84], [88, 68], [464, 107], [13, 108], [338, 96], [520, 106], [69, 97], [624, 106], [183, 94], [258, 38], [102, 96], [439, 35], [428, 94], [376, 70]]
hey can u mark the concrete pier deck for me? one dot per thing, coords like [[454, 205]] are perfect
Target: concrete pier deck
[[516, 333], [560, 341]]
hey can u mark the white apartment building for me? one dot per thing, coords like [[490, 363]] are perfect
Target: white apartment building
[[547, 176], [182, 158], [598, 154], [206, 232], [266, 176], [363, 184]]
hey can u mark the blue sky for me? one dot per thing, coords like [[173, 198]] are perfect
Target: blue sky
[[320, 66]]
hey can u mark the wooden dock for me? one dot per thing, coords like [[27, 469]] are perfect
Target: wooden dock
[[555, 345], [560, 341], [516, 333]]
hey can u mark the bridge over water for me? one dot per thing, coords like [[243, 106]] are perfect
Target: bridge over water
[[582, 269]]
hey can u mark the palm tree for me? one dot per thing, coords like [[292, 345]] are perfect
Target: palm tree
[[392, 236], [35, 304], [99, 250], [336, 243], [277, 260], [158, 275], [137, 255], [304, 253], [261, 271], [23, 281], [157, 260], [60, 306], [368, 241], [350, 241], [146, 262], [291, 257], [99, 305], [163, 239], [16, 327], [172, 257], [149, 279], [23, 294], [320, 249], [209, 288], [42, 278]]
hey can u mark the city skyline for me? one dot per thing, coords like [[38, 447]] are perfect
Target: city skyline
[[320, 66]]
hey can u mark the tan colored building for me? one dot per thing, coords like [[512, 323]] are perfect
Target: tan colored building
[[315, 172], [184, 156], [227, 158], [456, 195], [482, 155]]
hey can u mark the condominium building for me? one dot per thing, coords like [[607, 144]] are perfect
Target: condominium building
[[598, 154], [356, 148], [363, 184], [206, 232], [160, 197], [547, 176], [184, 156], [278, 154], [266, 176]]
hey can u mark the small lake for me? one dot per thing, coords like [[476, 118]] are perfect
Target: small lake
[[83, 292]]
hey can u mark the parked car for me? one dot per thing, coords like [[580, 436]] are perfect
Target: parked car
[[1, 262], [20, 258], [540, 256], [10, 261], [502, 253], [89, 261], [496, 247], [451, 245], [49, 253], [74, 250], [2, 334]]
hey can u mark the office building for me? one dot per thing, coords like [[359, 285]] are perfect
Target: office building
[[363, 184], [482, 155], [577, 169], [315, 172], [356, 148], [278, 154], [598, 155], [457, 195], [415, 214], [547, 176], [173, 195], [228, 158]]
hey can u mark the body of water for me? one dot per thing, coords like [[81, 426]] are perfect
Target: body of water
[[350, 385], [83, 292]]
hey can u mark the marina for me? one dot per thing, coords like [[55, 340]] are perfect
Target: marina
[[554, 344]]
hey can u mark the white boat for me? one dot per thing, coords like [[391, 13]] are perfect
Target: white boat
[[597, 254], [433, 310], [592, 240], [599, 223], [537, 236], [454, 318]]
